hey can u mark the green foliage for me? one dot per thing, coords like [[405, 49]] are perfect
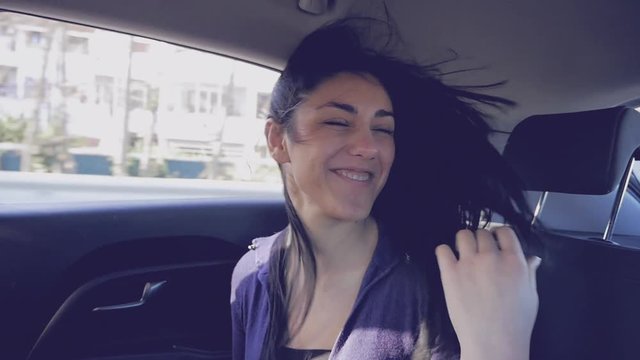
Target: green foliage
[[12, 129]]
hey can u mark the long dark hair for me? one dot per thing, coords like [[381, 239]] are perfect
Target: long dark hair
[[446, 175]]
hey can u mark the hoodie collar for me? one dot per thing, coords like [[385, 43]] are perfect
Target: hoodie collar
[[385, 257]]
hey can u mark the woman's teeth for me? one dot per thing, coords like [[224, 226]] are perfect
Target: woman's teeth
[[354, 175]]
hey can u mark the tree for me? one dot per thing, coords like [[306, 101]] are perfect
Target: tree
[[12, 129]]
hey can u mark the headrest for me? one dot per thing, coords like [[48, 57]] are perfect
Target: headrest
[[577, 153]]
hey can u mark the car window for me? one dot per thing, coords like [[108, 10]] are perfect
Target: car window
[[89, 114]]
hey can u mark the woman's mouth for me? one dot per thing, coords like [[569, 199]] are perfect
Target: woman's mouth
[[355, 175]]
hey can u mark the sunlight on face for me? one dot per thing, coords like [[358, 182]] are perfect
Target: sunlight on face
[[341, 148]]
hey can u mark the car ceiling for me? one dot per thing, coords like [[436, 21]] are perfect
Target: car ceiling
[[556, 56]]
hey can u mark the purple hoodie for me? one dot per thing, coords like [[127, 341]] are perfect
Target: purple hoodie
[[384, 322]]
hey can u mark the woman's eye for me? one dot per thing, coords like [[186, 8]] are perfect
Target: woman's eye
[[336, 123], [384, 131]]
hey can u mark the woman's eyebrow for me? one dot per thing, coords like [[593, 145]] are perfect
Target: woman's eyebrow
[[341, 106], [383, 113], [351, 109]]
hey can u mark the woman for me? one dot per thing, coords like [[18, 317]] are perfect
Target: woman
[[383, 166]]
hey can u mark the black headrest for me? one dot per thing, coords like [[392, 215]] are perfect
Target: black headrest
[[578, 153]]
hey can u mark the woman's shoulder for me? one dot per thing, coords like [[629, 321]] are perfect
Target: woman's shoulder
[[251, 262]]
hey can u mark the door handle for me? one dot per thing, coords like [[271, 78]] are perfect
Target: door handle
[[150, 290]]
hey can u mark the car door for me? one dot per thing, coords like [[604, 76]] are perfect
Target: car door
[[124, 278]]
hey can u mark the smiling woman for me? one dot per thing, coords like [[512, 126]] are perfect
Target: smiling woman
[[354, 275], [310, 290], [340, 149]]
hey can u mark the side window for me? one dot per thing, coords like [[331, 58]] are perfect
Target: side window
[[76, 100]]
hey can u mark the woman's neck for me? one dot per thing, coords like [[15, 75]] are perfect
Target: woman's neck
[[341, 246]]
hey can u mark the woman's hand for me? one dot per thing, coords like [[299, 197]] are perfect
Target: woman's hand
[[491, 294]]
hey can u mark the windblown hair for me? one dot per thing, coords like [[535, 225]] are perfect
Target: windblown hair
[[446, 175]]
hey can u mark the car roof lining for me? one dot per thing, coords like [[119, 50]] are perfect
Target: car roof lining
[[566, 56]]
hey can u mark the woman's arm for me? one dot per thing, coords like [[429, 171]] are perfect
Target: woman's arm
[[491, 296]]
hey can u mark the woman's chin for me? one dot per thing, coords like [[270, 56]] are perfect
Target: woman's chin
[[352, 213]]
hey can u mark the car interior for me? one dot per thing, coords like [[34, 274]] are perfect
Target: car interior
[[150, 278]]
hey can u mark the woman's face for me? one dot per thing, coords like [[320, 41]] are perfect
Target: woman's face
[[340, 148]]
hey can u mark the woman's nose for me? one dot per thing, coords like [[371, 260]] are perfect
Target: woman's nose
[[363, 144]]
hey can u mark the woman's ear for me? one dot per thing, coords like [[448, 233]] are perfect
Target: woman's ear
[[275, 134]]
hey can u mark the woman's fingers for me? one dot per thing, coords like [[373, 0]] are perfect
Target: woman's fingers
[[445, 257], [533, 264], [508, 240], [486, 242], [466, 243]]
